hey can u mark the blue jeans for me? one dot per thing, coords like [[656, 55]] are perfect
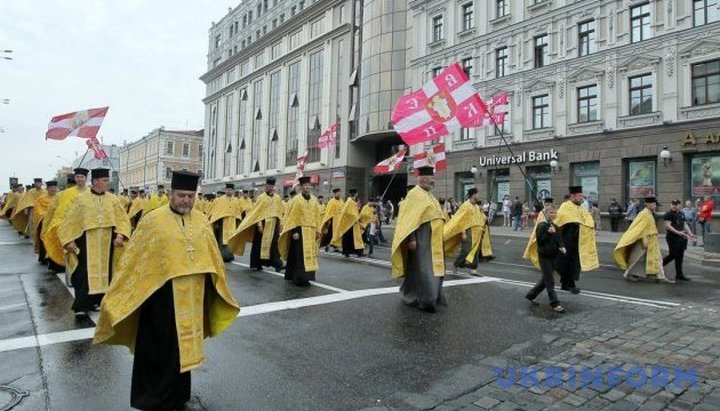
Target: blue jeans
[[517, 225]]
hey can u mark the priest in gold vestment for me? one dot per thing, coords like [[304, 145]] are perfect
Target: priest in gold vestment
[[94, 228], [577, 228], [21, 217], [417, 250], [40, 210], [638, 251], [261, 226], [224, 217], [348, 232], [137, 205], [462, 233], [11, 201], [47, 220], [170, 293], [65, 199], [331, 218], [156, 200], [298, 242]]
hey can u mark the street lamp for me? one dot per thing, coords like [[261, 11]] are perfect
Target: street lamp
[[8, 52], [666, 156], [555, 166]]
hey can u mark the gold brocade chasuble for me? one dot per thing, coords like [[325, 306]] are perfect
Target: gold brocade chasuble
[[466, 217], [95, 216], [267, 210], [531, 250], [56, 215], [332, 211], [40, 210], [225, 208], [587, 249], [367, 213], [419, 207], [19, 219], [137, 205], [643, 229], [305, 214], [154, 202], [484, 244], [348, 219], [169, 247], [10, 202]]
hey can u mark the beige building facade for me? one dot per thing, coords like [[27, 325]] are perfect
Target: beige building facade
[[150, 160]]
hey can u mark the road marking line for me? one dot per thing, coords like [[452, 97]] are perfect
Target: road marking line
[[321, 285], [13, 242]]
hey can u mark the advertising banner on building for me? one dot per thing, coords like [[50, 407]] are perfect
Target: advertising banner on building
[[705, 176], [544, 188], [641, 178], [503, 189], [590, 188]]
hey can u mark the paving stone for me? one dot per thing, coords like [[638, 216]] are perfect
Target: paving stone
[[586, 393], [653, 405], [705, 407], [636, 398], [486, 403], [680, 405], [575, 400], [692, 397], [508, 406], [613, 395], [624, 405], [463, 401]]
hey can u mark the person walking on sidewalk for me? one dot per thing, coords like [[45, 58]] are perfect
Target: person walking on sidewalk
[[549, 245], [506, 209], [517, 211], [691, 218], [677, 235], [615, 212], [632, 211]]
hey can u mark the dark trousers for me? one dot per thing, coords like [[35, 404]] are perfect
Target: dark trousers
[[614, 223], [547, 282], [677, 253]]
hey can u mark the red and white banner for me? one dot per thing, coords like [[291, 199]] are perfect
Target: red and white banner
[[97, 149], [301, 161], [433, 157], [444, 104], [328, 137], [391, 164], [495, 110], [83, 124]]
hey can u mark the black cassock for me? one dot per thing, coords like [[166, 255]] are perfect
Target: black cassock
[[348, 243], [157, 383], [79, 279], [327, 237], [274, 261], [295, 270], [225, 252], [420, 286], [568, 265]]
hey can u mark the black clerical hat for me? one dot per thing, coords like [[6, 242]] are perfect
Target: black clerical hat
[[650, 200], [83, 171], [426, 171], [27, 187], [37, 180], [142, 190], [304, 180], [133, 190], [352, 191], [230, 185], [245, 191], [52, 183], [184, 180], [270, 181], [471, 192], [70, 179], [575, 190], [161, 187], [441, 201], [336, 190], [547, 200], [100, 173]]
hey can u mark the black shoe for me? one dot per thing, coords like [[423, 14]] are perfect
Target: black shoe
[[532, 301], [575, 290], [280, 268], [682, 278]]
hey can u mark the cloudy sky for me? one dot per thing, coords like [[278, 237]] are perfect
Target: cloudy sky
[[140, 57]]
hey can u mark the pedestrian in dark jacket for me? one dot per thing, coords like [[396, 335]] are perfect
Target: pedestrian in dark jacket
[[549, 245], [615, 212]]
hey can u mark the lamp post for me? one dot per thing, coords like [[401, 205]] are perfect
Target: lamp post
[[555, 166], [3, 52], [665, 156]]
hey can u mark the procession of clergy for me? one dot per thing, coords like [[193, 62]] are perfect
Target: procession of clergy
[[154, 267]]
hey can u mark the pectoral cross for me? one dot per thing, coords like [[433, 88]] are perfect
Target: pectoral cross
[[190, 250]]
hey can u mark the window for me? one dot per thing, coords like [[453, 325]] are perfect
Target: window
[[259, 60], [640, 23], [586, 38], [501, 62], [257, 121], [587, 104], [640, 94], [467, 65], [291, 136], [706, 82], [186, 150], [316, 28], [241, 127], [541, 50], [705, 11], [436, 71], [468, 18], [273, 117], [294, 40], [200, 150], [464, 134], [170, 148], [229, 132], [168, 172], [275, 51], [274, 23], [541, 111], [314, 106], [245, 69], [217, 40], [293, 10], [437, 25], [502, 8]]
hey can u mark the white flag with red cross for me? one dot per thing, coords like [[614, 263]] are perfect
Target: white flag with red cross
[[390, 164], [431, 157], [85, 124]]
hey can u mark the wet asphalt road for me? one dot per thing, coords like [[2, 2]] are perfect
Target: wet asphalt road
[[362, 351]]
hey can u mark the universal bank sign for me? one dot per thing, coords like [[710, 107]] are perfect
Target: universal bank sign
[[524, 157]]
